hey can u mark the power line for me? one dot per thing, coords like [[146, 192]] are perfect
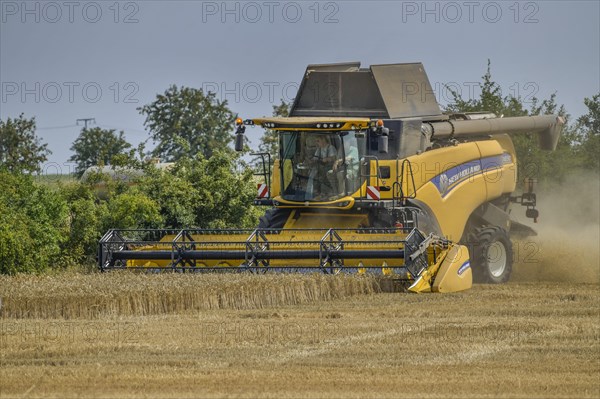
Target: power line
[[55, 127], [85, 121], [125, 129]]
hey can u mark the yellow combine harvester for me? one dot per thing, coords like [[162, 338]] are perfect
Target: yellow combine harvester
[[371, 178]]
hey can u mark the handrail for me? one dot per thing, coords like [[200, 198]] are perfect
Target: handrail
[[266, 171], [398, 187]]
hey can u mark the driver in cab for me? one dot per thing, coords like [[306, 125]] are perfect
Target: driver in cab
[[322, 160]]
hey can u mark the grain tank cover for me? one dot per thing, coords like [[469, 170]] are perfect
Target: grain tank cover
[[406, 90], [381, 91], [341, 67]]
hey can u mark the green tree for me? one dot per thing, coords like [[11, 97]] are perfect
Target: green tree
[[33, 225], [551, 167], [190, 116], [490, 99], [97, 146], [269, 142], [20, 149], [90, 216], [588, 134], [532, 162], [203, 192], [133, 210], [87, 215], [195, 192]]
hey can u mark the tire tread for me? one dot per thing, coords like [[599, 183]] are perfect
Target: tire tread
[[480, 240]]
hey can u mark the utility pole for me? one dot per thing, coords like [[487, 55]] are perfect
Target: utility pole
[[85, 121]]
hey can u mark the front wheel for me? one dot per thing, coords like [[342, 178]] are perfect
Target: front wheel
[[492, 255]]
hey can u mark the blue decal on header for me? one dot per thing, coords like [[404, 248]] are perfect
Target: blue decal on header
[[464, 267]]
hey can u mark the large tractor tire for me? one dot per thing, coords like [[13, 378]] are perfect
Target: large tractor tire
[[273, 219], [491, 255]]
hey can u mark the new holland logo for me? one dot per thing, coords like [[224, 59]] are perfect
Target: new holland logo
[[463, 268], [465, 173], [444, 183]]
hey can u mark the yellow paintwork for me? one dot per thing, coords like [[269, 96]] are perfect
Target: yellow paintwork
[[508, 177], [443, 275], [423, 282], [287, 173], [292, 238], [276, 179], [322, 220], [450, 277], [453, 209]]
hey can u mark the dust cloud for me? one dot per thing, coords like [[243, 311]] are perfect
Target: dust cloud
[[567, 247]]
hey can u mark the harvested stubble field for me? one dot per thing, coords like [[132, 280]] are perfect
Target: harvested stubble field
[[132, 335], [125, 335]]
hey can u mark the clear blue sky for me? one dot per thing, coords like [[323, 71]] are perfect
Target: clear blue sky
[[64, 60]]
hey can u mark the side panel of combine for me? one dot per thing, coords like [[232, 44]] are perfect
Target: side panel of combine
[[454, 181], [498, 168], [450, 181], [509, 171]]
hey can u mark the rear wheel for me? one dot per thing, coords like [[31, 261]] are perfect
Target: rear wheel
[[491, 255]]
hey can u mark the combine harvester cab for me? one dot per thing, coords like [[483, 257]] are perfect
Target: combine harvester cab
[[371, 177]]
